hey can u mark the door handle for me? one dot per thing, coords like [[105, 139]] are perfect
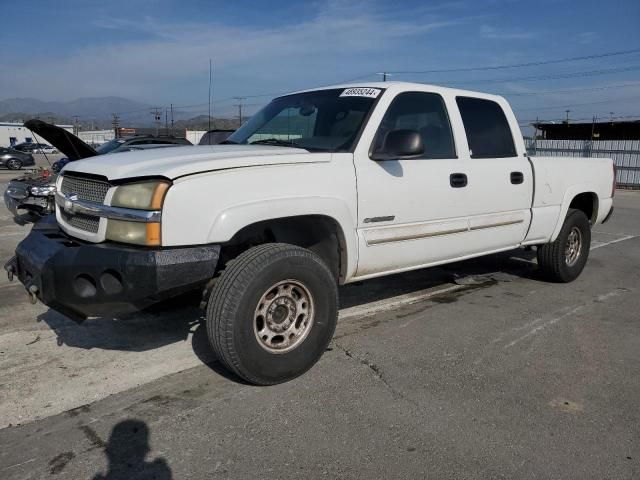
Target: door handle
[[517, 178], [458, 180]]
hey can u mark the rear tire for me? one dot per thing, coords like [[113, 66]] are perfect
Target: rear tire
[[272, 313], [564, 259], [14, 164]]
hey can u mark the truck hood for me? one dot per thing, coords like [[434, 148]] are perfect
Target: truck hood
[[177, 162], [65, 142]]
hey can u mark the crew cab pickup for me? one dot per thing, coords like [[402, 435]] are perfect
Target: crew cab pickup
[[320, 188]]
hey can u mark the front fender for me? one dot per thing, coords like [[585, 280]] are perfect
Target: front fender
[[231, 220]]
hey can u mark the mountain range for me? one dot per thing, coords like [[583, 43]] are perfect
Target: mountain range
[[97, 112]]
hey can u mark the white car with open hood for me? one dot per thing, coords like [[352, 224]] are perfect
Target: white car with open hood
[[319, 188]]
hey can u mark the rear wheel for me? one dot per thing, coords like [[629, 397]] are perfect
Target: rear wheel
[[564, 259], [14, 164], [272, 313]]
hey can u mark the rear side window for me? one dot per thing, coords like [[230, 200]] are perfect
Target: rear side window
[[487, 129]]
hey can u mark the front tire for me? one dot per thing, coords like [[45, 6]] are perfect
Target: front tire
[[14, 164], [272, 313], [564, 259]]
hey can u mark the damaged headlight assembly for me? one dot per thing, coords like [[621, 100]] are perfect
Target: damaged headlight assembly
[[146, 196]]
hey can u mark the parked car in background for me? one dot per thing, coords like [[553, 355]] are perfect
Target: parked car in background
[[128, 144], [35, 193], [215, 137], [32, 147], [45, 149], [15, 159]]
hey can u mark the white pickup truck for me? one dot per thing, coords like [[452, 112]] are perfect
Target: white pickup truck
[[320, 188]]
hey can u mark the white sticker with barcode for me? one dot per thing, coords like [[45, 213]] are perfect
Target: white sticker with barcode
[[361, 92]]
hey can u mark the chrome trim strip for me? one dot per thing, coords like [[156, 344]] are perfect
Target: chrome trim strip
[[106, 211], [499, 224], [418, 236]]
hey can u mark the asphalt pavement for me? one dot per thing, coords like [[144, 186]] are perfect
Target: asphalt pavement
[[473, 370]]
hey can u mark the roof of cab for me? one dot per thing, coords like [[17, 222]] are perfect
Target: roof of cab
[[407, 86]]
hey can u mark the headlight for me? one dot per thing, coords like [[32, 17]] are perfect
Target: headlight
[[140, 196], [139, 233], [143, 196], [42, 191]]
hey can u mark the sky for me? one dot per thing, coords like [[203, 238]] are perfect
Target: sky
[[158, 51]]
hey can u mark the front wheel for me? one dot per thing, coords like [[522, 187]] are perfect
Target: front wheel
[[272, 313], [14, 164], [564, 259]]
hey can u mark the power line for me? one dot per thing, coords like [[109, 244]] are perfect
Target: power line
[[534, 78], [571, 90], [581, 104], [521, 65]]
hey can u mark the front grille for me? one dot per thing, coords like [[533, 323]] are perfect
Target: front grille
[[88, 223], [85, 188]]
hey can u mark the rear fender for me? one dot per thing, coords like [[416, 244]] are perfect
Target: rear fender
[[571, 193]]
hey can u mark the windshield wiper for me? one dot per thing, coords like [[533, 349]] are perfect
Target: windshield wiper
[[274, 141]]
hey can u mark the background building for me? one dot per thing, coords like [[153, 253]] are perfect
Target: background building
[[96, 137], [14, 133], [616, 130]]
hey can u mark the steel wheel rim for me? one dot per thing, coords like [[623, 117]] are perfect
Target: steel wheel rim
[[283, 316], [573, 247]]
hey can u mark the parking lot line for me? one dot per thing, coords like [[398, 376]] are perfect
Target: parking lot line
[[628, 237], [394, 302]]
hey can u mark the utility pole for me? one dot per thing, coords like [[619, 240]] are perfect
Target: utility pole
[[166, 121], [172, 119], [210, 85], [76, 127], [157, 117], [116, 125], [384, 75], [567, 111], [239, 105], [611, 116]]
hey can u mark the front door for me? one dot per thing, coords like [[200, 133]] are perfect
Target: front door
[[411, 211]]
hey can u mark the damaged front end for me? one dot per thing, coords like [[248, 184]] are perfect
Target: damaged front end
[[81, 279], [32, 194]]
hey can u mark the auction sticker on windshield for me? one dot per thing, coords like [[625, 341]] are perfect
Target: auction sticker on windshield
[[361, 92]]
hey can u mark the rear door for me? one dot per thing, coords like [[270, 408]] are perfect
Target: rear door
[[500, 181]]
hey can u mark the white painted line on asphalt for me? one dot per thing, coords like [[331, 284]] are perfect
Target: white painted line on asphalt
[[394, 302], [607, 233], [20, 464], [566, 312], [600, 245]]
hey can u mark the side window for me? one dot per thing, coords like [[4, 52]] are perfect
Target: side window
[[487, 129], [424, 113]]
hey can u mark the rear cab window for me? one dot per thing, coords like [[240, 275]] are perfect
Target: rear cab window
[[487, 128]]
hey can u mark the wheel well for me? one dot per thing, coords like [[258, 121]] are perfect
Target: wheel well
[[320, 234], [588, 203]]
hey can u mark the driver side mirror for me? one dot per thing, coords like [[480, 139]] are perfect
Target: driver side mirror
[[400, 144]]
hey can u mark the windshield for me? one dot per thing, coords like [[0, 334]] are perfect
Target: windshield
[[109, 146], [322, 120]]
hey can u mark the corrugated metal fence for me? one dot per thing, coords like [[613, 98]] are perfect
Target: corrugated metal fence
[[626, 154]]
